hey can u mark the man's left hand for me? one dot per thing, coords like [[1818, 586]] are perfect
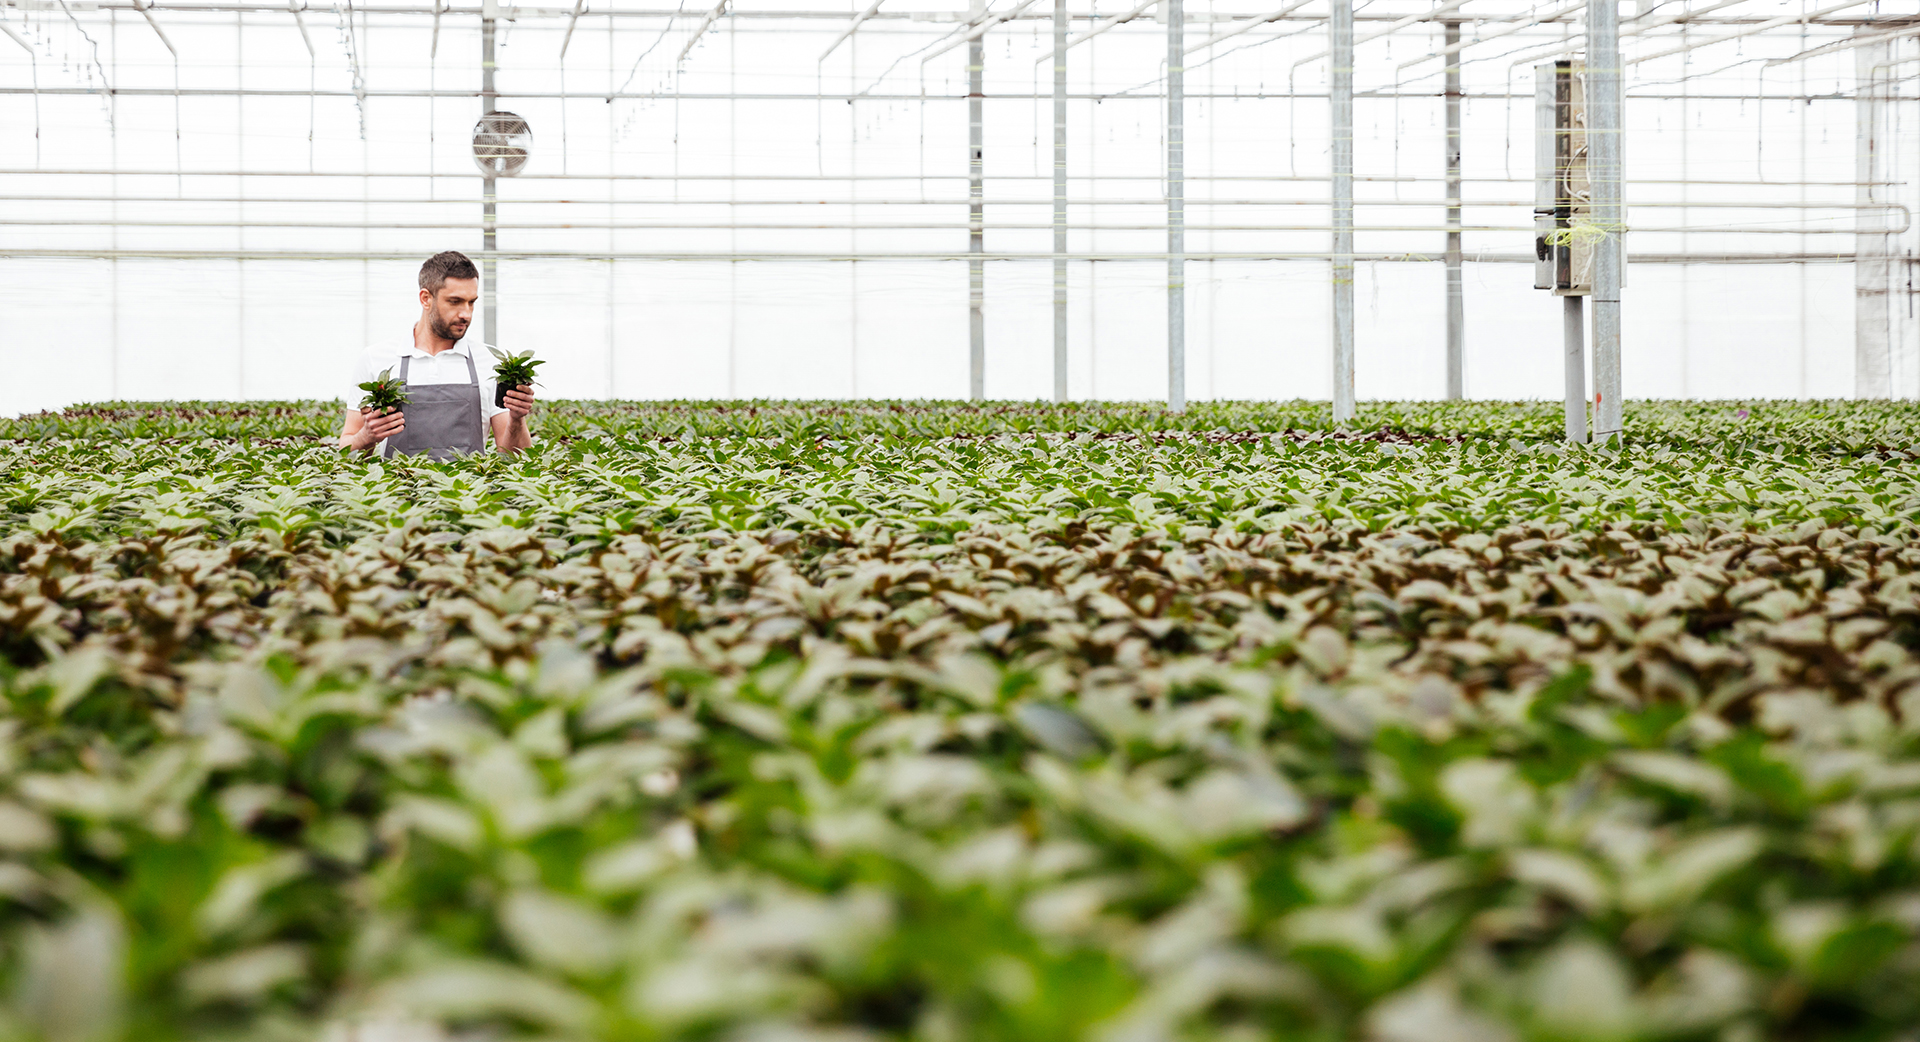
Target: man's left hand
[[520, 401]]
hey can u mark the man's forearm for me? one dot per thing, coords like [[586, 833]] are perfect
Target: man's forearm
[[517, 437]]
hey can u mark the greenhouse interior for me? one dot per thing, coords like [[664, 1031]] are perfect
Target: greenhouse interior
[[959, 521]]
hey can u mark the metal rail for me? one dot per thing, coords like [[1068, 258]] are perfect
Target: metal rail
[[1697, 17], [1106, 256], [816, 98]]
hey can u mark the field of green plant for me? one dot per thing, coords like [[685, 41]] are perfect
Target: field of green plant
[[790, 721]]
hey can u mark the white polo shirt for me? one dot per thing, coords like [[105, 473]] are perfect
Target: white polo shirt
[[447, 367]]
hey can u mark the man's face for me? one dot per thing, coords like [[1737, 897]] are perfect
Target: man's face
[[450, 311]]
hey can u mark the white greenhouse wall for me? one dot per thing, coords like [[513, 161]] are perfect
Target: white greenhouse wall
[[78, 329]]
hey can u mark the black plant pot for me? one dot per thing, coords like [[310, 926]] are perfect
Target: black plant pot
[[500, 396]]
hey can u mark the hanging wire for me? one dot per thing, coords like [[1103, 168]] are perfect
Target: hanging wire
[[650, 47], [33, 59], [105, 83], [347, 40]]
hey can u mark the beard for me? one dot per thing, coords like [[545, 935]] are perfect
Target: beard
[[445, 330]]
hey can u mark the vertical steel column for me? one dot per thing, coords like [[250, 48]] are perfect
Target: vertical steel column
[[113, 208], [1573, 337], [1176, 207], [1059, 200], [240, 163], [1341, 28], [1872, 260], [1604, 153], [1553, 152], [613, 281], [1456, 296], [489, 273], [976, 227]]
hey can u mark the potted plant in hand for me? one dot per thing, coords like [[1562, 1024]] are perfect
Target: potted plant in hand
[[511, 372], [384, 393]]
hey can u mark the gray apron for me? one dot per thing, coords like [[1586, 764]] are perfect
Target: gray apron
[[442, 419]]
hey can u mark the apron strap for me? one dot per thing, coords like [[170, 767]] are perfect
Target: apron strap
[[474, 379]]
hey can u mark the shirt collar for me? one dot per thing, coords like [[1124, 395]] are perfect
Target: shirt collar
[[459, 348]]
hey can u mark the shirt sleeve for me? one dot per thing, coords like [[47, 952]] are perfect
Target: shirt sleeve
[[362, 372]]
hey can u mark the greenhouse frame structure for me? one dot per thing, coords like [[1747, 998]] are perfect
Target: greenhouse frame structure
[[1329, 38]]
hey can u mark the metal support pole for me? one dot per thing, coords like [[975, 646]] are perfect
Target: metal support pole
[[1456, 296], [1341, 27], [1176, 208], [1574, 336], [1059, 200], [1873, 263], [976, 225], [1604, 155], [489, 267]]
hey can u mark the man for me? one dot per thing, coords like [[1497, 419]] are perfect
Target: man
[[450, 395]]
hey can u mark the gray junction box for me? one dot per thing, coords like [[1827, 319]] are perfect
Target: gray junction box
[[1563, 256]]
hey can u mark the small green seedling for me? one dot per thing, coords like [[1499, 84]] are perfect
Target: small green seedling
[[384, 393], [512, 371]]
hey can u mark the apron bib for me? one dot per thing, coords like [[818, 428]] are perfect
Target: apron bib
[[443, 420]]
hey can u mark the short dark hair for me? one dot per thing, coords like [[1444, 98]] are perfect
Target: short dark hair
[[443, 266]]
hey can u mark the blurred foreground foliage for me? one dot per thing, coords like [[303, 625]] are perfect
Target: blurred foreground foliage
[[762, 721]]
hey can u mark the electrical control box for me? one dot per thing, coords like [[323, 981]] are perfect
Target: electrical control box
[[1563, 233]]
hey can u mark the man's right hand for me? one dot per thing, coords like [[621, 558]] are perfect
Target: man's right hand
[[375, 427]]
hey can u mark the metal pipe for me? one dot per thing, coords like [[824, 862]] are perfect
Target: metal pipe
[[814, 99], [1699, 16], [1573, 336], [1864, 39], [1109, 23], [1604, 161], [567, 40], [712, 16], [1872, 267], [17, 38], [489, 200], [872, 9], [146, 10], [1176, 208], [1277, 178], [1771, 23], [1516, 230], [1273, 203], [1059, 200], [1249, 25], [1456, 287], [1522, 22], [112, 253], [1401, 23], [976, 223], [1556, 50], [308, 40], [1340, 28], [979, 30]]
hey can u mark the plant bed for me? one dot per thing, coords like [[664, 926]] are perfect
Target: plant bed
[[876, 723]]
